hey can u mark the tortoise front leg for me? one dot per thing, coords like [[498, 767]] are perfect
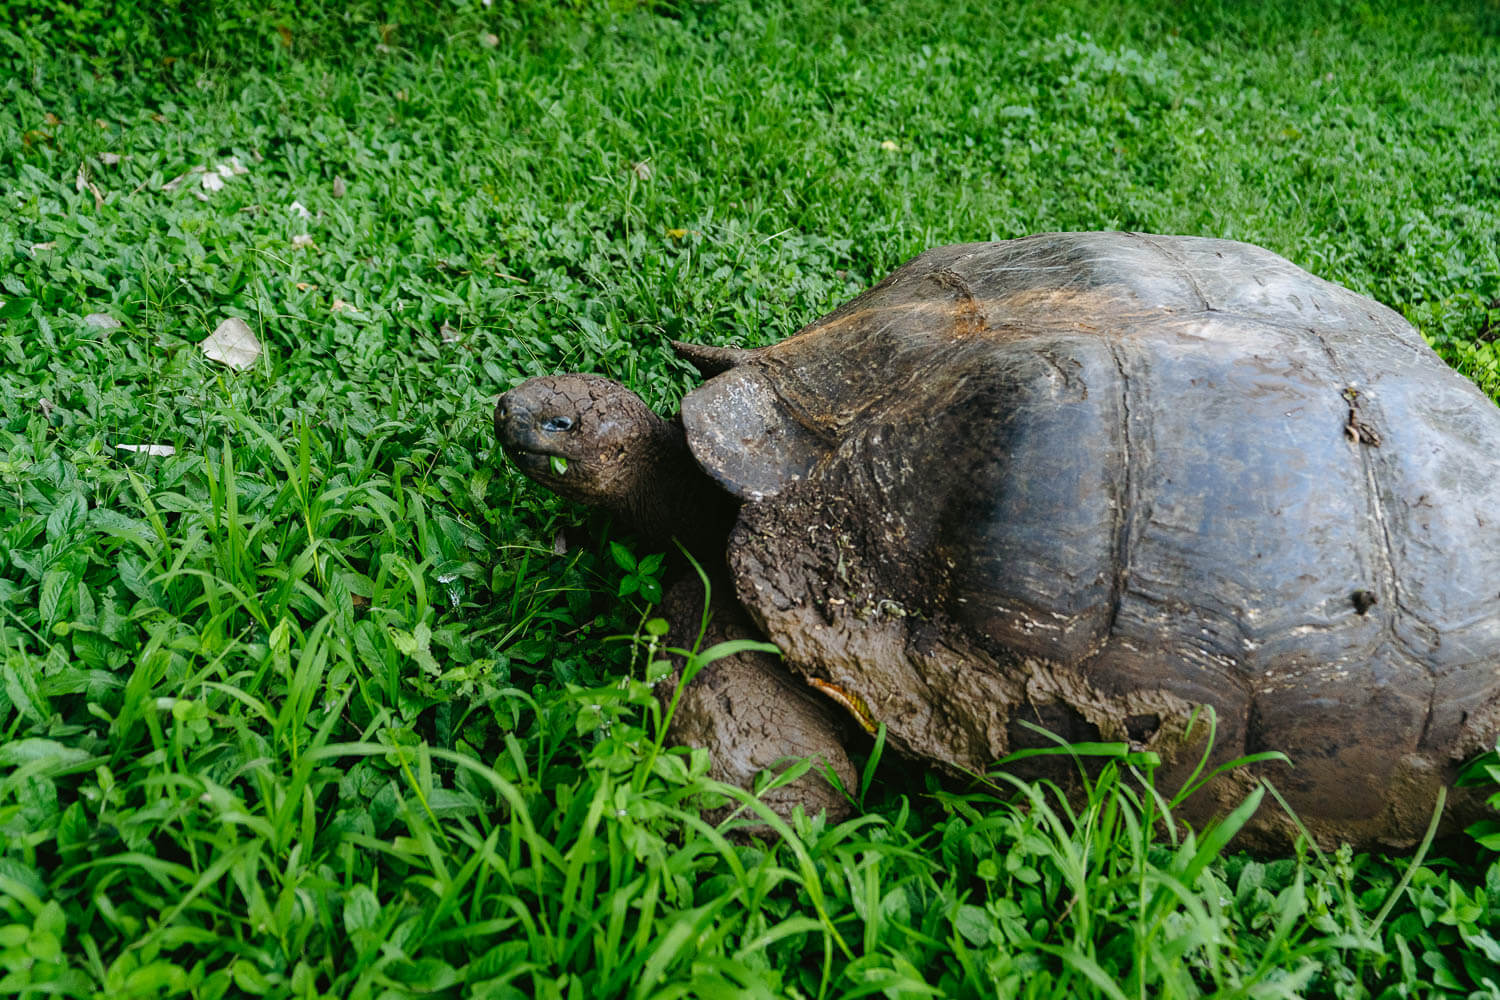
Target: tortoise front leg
[[748, 710]]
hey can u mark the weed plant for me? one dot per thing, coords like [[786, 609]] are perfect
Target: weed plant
[[320, 704]]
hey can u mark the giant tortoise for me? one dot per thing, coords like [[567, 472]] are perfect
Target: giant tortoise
[[1092, 481]]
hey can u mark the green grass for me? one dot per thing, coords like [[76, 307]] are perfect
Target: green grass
[[315, 707]]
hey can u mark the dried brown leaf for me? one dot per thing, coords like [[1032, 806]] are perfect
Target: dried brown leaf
[[176, 181], [232, 343]]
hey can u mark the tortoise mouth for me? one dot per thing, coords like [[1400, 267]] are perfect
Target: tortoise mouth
[[529, 461]]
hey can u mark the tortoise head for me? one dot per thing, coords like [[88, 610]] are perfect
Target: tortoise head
[[581, 436]]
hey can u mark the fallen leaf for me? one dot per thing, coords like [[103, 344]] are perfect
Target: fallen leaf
[[448, 334], [49, 245], [489, 39], [889, 145], [101, 321], [159, 450], [233, 344], [286, 35], [101, 123], [46, 406], [299, 210], [109, 159], [212, 182], [339, 189], [677, 234], [301, 241], [642, 170], [51, 119], [175, 181], [339, 305], [306, 286]]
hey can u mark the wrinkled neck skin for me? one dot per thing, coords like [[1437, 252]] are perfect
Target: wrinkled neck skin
[[673, 498]]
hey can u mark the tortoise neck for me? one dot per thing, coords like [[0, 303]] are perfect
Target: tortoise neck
[[674, 498]]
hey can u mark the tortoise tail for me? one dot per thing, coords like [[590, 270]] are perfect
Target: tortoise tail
[[710, 360]]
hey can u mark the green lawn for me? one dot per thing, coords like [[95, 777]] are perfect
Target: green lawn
[[321, 704]]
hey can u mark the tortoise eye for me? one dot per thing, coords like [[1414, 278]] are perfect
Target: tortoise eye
[[558, 424]]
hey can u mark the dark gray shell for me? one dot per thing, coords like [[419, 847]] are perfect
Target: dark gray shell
[[1092, 480]]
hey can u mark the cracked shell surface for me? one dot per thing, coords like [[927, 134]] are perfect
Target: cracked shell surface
[[1092, 480]]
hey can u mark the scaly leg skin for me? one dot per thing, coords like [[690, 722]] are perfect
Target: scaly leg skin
[[750, 712]]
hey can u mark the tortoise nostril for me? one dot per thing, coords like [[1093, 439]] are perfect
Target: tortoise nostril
[[558, 424]]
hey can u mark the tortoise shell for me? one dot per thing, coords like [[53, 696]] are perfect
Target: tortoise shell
[[1095, 480]]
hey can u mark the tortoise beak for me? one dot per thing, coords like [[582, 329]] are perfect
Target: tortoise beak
[[516, 421], [514, 425], [515, 431]]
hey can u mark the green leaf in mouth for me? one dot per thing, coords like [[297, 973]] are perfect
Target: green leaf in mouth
[[559, 464]]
